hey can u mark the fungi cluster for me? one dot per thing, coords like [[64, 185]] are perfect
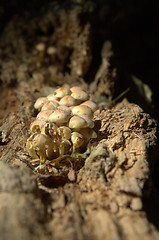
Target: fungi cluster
[[63, 126]]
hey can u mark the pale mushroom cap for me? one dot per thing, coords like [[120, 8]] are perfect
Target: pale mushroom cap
[[51, 50], [89, 121], [90, 104], [82, 110], [59, 117], [41, 140], [77, 122], [36, 126], [77, 139], [40, 102], [50, 105], [80, 95], [65, 108], [64, 132], [67, 101], [44, 115], [51, 97], [40, 47], [75, 88], [88, 133], [61, 92]]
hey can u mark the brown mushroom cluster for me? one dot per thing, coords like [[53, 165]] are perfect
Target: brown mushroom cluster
[[63, 126]]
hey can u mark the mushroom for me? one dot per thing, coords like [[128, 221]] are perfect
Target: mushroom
[[40, 102], [51, 50], [65, 147], [43, 146], [77, 140], [90, 104], [36, 126], [80, 95], [82, 110], [40, 47], [31, 150], [67, 101], [61, 92], [49, 129], [44, 115], [50, 105], [64, 132], [59, 117], [77, 122], [88, 133], [64, 108], [51, 97], [90, 122], [76, 88]]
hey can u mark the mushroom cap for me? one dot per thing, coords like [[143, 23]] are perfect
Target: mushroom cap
[[40, 47], [90, 104], [77, 139], [40, 102], [36, 126], [65, 108], [59, 117], [76, 88], [51, 97], [80, 95], [44, 115], [88, 133], [51, 50], [61, 92], [77, 122], [50, 105], [82, 110], [67, 101], [64, 132], [41, 140], [90, 122]]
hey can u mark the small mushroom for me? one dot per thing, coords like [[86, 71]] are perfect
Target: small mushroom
[[40, 47], [82, 110], [88, 133], [51, 50], [30, 148], [36, 126], [64, 132], [40, 102], [77, 140], [65, 147], [44, 147], [76, 88], [49, 129], [50, 105], [59, 117], [90, 122], [61, 92], [51, 97], [65, 108], [77, 122], [67, 101], [91, 105], [80, 95], [44, 115]]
